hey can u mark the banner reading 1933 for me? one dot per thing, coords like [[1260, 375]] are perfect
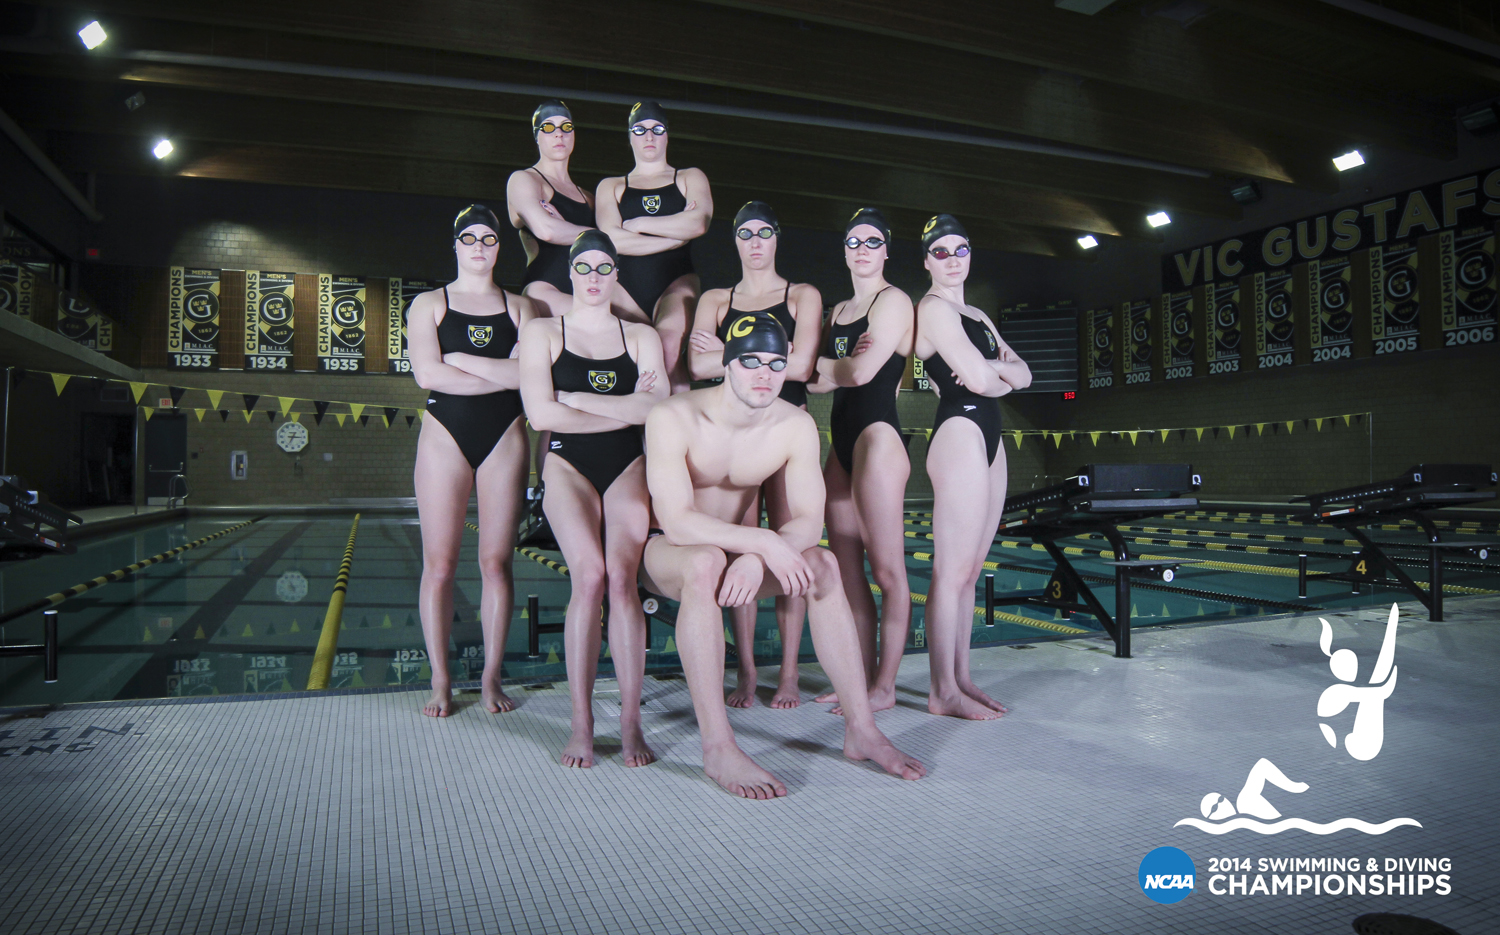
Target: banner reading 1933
[[192, 319], [341, 324], [402, 292], [269, 304]]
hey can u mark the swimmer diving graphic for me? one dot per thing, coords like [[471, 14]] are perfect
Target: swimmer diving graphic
[[1362, 742]]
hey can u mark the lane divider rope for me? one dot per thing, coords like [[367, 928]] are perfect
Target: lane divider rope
[[328, 640]]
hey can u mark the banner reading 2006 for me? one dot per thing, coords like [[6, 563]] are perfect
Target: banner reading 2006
[[192, 319], [269, 302], [341, 324]]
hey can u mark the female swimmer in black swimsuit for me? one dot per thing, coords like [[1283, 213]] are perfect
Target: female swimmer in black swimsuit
[[971, 369], [799, 309], [864, 353], [651, 214], [548, 209], [472, 439], [590, 380]]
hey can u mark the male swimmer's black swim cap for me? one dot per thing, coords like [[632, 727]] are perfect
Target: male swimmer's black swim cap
[[646, 110], [475, 214], [756, 211], [941, 226], [592, 239], [872, 217], [549, 109], [755, 333]]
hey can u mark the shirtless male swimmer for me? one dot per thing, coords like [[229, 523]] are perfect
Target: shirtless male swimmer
[[708, 452]]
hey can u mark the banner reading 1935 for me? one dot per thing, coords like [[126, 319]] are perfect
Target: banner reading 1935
[[192, 319], [402, 292], [269, 305], [341, 324]]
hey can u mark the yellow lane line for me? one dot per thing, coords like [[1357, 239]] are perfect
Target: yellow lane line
[[328, 640]]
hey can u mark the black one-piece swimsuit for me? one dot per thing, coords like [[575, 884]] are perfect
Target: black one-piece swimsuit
[[476, 422], [958, 401], [857, 407], [647, 277], [551, 261], [793, 391], [599, 456]]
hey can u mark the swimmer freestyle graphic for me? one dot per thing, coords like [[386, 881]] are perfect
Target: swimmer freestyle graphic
[[1362, 743]]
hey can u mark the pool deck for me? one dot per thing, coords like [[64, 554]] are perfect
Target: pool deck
[[351, 812]]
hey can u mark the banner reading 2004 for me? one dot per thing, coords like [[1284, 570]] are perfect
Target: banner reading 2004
[[193, 319], [341, 324]]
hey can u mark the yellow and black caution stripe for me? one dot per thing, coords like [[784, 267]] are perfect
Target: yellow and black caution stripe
[[919, 598], [328, 640], [534, 555], [116, 575]]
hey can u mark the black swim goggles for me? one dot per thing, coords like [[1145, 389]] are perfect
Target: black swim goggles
[[874, 243], [468, 239], [751, 362], [583, 269], [943, 253], [549, 127], [641, 130], [765, 233]]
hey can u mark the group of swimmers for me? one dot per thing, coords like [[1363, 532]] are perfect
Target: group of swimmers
[[650, 483]]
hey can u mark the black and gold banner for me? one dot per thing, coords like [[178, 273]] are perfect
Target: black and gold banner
[[1274, 323], [269, 304], [193, 319], [1395, 298], [1331, 313], [1135, 328], [402, 292], [1177, 338], [17, 290], [1099, 361], [1466, 286], [84, 325], [1222, 316], [341, 324]]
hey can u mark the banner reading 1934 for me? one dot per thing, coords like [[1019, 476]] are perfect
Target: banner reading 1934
[[192, 319], [269, 304], [341, 324]]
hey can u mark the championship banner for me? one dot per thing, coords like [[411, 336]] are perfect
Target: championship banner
[[402, 292], [1136, 328], [1274, 333], [1395, 298], [1455, 205], [193, 319], [1099, 362], [84, 325], [1331, 322], [1177, 338], [341, 324], [1223, 317], [1466, 286], [268, 320], [17, 288]]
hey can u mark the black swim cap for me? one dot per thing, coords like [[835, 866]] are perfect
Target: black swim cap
[[592, 239], [756, 211], [755, 333], [941, 226], [549, 109], [475, 214], [646, 110], [872, 217]]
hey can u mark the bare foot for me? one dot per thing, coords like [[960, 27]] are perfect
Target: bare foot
[[827, 698], [875, 747], [633, 747], [973, 691], [579, 753], [881, 699], [738, 774], [495, 700], [960, 705], [743, 695], [787, 694], [440, 704]]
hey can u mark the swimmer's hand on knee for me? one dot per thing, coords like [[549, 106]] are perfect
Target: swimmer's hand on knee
[[742, 581], [789, 567]]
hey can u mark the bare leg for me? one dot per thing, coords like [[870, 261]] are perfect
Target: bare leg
[[955, 463], [842, 520], [500, 481], [575, 514], [443, 480], [743, 619], [998, 474], [674, 317], [789, 610], [626, 518]]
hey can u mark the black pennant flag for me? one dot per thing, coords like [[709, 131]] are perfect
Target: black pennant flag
[[223, 415], [271, 415], [410, 420], [364, 420], [390, 415], [322, 409], [249, 401], [176, 392]]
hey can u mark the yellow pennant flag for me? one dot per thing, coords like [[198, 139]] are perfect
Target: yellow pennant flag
[[60, 380], [149, 412], [1057, 439], [247, 414], [1164, 434], [1095, 437], [356, 409], [1346, 421], [1260, 428], [1319, 424], [1132, 436], [214, 396], [1200, 434], [138, 389], [387, 419], [1289, 428], [286, 403], [199, 414], [341, 416], [1231, 431], [1017, 437]]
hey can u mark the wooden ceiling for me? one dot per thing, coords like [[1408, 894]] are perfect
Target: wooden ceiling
[[1033, 124]]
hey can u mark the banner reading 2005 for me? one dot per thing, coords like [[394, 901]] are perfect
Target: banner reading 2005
[[269, 299], [341, 324], [193, 319]]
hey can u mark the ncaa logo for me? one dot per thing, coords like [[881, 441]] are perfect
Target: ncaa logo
[[602, 380], [1167, 875], [479, 335], [840, 346], [652, 203]]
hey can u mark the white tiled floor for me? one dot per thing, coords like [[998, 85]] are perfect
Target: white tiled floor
[[353, 813]]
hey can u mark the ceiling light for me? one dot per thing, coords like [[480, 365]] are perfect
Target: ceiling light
[[1087, 242], [1348, 160], [1158, 219], [1245, 192], [162, 149], [93, 35]]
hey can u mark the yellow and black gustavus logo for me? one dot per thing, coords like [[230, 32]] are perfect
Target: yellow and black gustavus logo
[[990, 337], [479, 335], [743, 326], [602, 380], [841, 346], [652, 203]]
